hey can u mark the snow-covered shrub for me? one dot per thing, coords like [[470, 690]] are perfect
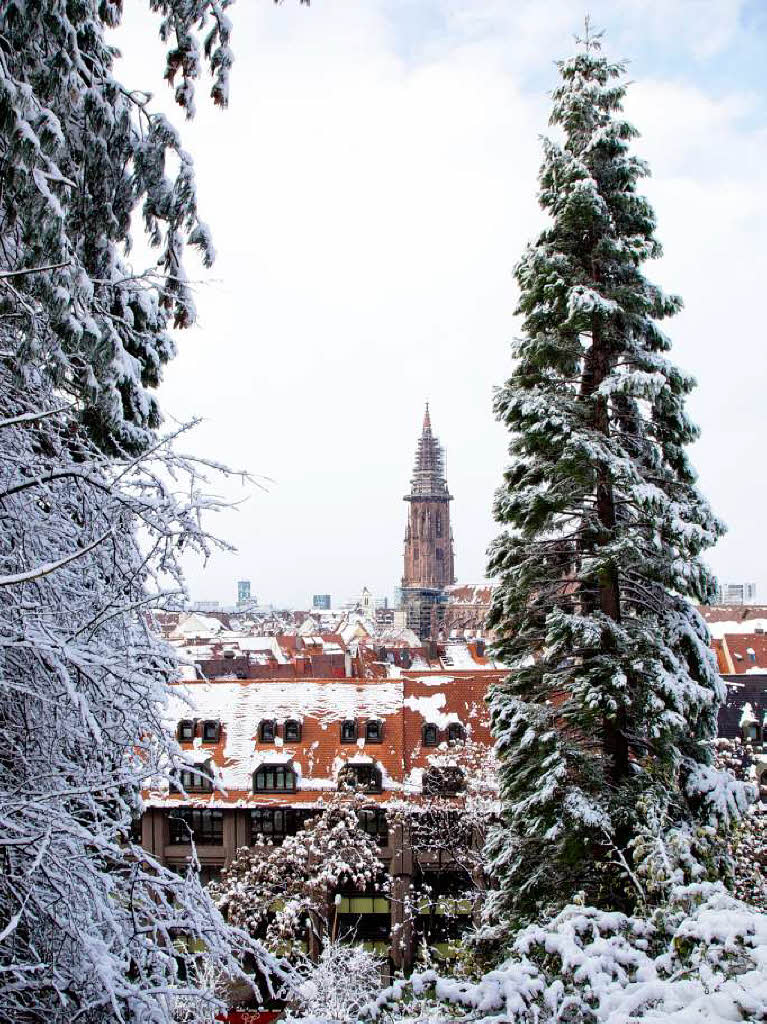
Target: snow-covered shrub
[[288, 892], [702, 959], [337, 987], [748, 842]]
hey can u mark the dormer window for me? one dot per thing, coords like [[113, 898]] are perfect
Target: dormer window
[[455, 733], [186, 731], [197, 778], [430, 735], [274, 778], [292, 731], [267, 731], [374, 731], [349, 731], [211, 731]]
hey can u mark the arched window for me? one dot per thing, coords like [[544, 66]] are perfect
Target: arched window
[[373, 731], [186, 731], [267, 731], [292, 731], [430, 735], [274, 778], [438, 524], [211, 731], [349, 731], [440, 555], [364, 777], [455, 733], [443, 781], [196, 778]]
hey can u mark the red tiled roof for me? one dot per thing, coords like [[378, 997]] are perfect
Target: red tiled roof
[[411, 700]]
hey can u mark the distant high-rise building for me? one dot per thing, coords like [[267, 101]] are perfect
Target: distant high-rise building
[[429, 560], [737, 593], [243, 591], [321, 602]]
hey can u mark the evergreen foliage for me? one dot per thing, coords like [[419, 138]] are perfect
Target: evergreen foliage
[[605, 723], [80, 154]]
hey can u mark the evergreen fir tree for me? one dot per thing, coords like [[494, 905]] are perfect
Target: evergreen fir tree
[[605, 722]]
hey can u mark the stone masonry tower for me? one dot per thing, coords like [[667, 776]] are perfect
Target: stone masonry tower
[[429, 559]]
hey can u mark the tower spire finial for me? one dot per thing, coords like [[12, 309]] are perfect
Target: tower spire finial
[[427, 420]]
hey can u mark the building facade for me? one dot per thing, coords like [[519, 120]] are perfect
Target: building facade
[[414, 746], [429, 560]]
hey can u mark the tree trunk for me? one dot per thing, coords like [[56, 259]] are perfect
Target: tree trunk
[[596, 369]]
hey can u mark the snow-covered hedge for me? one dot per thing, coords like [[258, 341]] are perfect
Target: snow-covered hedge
[[702, 959]]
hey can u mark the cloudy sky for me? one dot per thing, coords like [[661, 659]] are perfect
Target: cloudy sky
[[370, 189]]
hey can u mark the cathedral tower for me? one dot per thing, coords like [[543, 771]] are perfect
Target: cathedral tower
[[429, 559]]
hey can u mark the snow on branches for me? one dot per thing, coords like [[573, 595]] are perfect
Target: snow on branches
[[337, 987], [81, 153], [92, 926], [289, 893], [703, 957]]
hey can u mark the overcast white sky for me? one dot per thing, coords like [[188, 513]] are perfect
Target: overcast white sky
[[370, 189]]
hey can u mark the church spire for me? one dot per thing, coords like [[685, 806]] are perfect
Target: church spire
[[429, 559], [428, 478]]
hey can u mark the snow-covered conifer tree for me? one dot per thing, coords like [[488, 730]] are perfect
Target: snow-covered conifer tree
[[606, 719]]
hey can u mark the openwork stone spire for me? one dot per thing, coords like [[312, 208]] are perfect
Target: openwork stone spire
[[429, 560], [429, 471]]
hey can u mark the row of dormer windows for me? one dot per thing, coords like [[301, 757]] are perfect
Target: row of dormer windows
[[372, 731], [268, 731]]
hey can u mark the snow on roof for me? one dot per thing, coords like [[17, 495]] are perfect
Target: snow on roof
[[429, 709], [267, 644], [240, 706], [718, 629], [196, 624], [470, 593]]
